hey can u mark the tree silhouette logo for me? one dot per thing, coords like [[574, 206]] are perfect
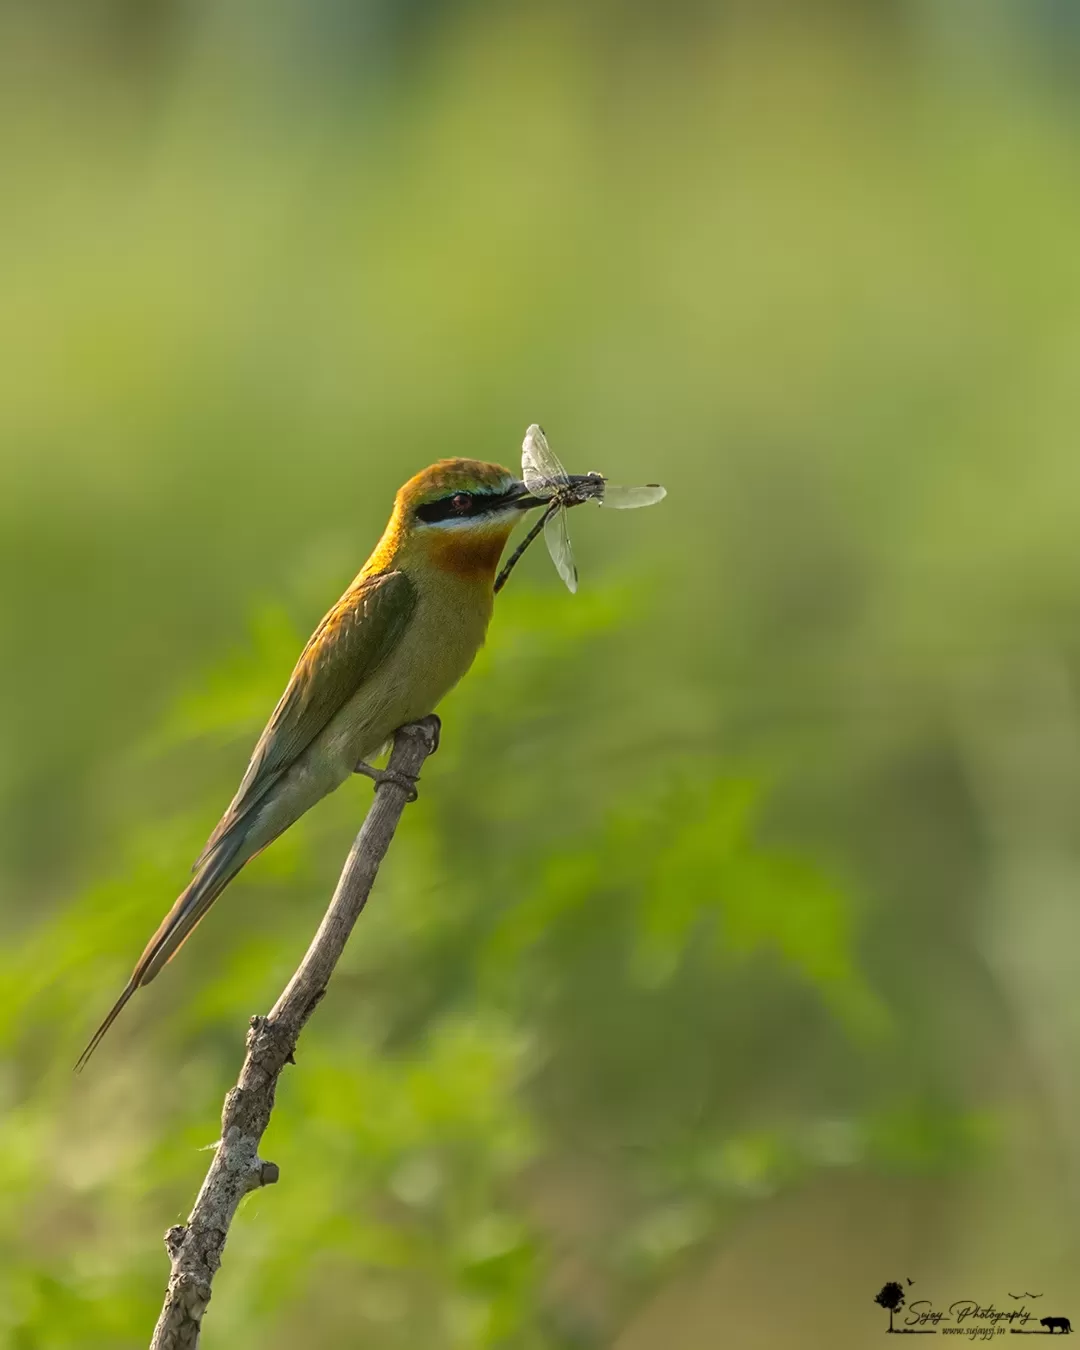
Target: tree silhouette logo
[[967, 1315], [891, 1297]]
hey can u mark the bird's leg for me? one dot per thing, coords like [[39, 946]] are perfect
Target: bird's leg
[[431, 727], [380, 776]]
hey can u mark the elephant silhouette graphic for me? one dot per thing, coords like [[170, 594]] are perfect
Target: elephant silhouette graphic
[[1053, 1323]]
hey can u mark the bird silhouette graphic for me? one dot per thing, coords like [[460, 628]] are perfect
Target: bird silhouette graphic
[[1020, 1296]]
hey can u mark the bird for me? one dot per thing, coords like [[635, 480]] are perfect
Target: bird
[[397, 641]]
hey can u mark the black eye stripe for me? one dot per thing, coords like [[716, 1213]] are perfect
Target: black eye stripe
[[444, 508]]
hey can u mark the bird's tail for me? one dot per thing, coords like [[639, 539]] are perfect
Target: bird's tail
[[212, 878]]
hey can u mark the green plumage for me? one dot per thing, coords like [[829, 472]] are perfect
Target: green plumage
[[347, 647], [396, 642]]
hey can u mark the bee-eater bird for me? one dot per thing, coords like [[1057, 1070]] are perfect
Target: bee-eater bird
[[396, 642]]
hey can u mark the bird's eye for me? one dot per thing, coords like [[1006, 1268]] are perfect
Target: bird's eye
[[461, 501]]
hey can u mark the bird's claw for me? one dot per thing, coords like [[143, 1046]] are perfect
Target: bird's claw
[[432, 725], [381, 776]]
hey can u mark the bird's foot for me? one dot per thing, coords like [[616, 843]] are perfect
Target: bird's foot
[[381, 776], [429, 727], [432, 728]]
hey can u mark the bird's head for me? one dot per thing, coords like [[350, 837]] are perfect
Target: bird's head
[[456, 515]]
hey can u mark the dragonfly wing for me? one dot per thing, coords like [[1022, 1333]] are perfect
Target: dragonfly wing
[[624, 498], [540, 469], [558, 542]]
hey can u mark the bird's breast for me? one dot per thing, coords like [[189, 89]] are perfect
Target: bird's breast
[[438, 646]]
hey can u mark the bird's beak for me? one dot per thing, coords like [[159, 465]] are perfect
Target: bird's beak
[[520, 497]]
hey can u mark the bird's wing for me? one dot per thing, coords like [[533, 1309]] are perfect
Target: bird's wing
[[352, 640]]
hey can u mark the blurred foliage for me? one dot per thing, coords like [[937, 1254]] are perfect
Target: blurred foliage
[[727, 959]]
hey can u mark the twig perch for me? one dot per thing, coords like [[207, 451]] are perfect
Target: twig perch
[[195, 1248]]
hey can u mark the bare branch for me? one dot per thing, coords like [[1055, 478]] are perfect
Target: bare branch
[[195, 1248]]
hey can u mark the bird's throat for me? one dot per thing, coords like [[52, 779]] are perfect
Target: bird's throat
[[472, 555]]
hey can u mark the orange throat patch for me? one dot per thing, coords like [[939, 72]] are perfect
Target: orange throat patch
[[471, 554]]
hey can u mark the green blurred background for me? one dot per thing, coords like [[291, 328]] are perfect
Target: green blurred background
[[727, 966]]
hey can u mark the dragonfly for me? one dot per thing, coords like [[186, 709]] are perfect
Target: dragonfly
[[546, 478]]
